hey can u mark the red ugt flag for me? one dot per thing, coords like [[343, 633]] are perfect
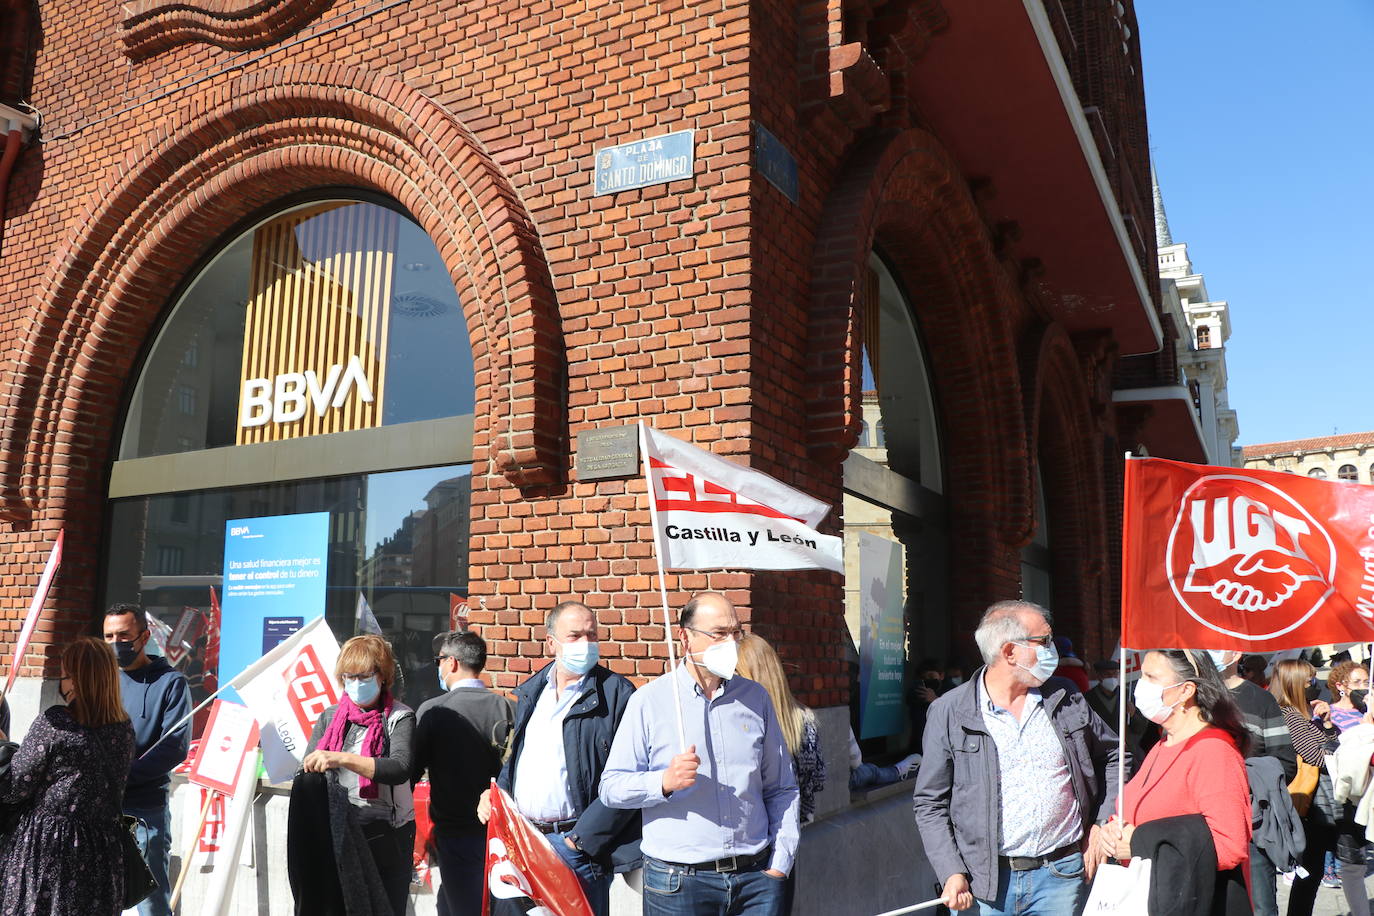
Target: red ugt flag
[[521, 863], [1227, 558]]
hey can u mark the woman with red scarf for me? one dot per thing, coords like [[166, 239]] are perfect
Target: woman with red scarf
[[366, 738]]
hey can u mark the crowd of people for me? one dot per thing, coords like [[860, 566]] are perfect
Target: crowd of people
[[701, 779]]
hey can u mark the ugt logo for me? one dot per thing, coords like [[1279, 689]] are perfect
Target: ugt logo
[[1246, 560]]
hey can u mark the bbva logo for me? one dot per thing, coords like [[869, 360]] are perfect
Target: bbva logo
[[1246, 560], [287, 397]]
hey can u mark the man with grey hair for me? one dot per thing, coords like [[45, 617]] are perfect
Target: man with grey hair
[[1017, 772], [566, 717]]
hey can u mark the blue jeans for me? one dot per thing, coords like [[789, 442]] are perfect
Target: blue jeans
[[1056, 889], [671, 890], [155, 842], [595, 881]]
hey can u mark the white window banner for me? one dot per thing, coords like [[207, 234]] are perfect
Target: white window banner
[[714, 514], [287, 690]]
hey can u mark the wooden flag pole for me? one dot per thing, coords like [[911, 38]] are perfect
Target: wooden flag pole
[[191, 850], [662, 587]]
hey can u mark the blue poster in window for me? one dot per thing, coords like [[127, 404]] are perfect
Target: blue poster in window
[[275, 570], [881, 638]]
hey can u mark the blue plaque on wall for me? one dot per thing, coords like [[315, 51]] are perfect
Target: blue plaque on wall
[[776, 163], [653, 160]]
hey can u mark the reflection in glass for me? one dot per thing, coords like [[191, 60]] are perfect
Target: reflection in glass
[[398, 539]]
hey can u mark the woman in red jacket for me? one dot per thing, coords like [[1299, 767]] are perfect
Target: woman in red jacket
[[1199, 767]]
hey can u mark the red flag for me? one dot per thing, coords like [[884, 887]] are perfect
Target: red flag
[[521, 863], [1227, 558]]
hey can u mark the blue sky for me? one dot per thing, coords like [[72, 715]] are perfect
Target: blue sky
[[1262, 128]]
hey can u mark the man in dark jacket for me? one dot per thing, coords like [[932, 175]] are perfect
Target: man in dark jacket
[[460, 740], [1017, 771], [565, 718], [156, 698]]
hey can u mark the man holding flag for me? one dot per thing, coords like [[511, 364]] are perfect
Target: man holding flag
[[720, 814]]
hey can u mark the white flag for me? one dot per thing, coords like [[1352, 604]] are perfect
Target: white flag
[[365, 621], [711, 513], [1134, 659], [287, 689]]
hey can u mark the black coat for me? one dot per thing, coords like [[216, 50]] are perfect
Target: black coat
[[608, 835], [1184, 880]]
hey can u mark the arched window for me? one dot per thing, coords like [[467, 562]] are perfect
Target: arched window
[[1319, 473], [1347, 472], [299, 440], [894, 527], [1204, 336]]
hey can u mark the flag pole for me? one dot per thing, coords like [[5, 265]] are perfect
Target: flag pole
[[662, 587], [190, 855], [1121, 684]]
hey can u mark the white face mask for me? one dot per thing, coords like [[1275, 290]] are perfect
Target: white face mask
[[578, 657], [1109, 684], [720, 659], [1149, 699], [1046, 661]]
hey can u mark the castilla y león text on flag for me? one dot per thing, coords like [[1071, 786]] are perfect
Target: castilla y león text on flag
[[714, 514]]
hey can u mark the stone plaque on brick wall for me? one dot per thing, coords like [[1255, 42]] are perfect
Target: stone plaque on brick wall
[[606, 453]]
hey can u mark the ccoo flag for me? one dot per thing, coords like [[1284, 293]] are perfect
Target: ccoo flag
[[711, 513], [521, 863], [1226, 558]]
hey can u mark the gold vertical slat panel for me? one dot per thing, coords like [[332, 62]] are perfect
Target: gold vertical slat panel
[[320, 291]]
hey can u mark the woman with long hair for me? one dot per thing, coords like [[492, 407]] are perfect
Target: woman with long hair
[[758, 662], [1329, 827], [66, 783], [1197, 769], [366, 739]]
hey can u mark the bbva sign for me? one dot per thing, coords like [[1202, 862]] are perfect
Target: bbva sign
[[287, 397]]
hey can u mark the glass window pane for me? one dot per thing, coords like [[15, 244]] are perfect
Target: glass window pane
[[400, 539], [329, 316]]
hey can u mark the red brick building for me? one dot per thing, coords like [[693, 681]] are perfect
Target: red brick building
[[944, 205]]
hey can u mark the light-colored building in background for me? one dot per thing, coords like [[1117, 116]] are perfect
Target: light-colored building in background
[[1204, 327], [1349, 456]]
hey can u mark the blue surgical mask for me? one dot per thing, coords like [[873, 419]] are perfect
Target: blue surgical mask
[[1222, 658], [579, 657], [1046, 661], [364, 691]]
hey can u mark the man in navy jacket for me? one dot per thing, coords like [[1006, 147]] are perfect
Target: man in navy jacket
[[565, 717], [156, 698]]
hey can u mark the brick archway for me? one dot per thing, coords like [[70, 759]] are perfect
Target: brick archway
[[256, 139], [1063, 439], [903, 194]]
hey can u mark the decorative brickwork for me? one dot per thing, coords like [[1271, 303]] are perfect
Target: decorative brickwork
[[715, 308], [151, 26]]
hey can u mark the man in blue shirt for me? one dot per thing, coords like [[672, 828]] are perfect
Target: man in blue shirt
[[156, 698], [720, 815]]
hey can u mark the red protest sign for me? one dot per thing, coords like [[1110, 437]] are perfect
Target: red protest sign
[[229, 735], [35, 610], [521, 863], [1226, 558]]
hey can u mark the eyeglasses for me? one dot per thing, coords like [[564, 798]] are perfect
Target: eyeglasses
[[440, 659], [1045, 640], [719, 635], [359, 677]]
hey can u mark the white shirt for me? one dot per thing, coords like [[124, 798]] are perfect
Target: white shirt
[[541, 773], [1039, 809]]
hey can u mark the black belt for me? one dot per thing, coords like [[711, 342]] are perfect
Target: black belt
[[547, 827], [728, 864], [1031, 863]]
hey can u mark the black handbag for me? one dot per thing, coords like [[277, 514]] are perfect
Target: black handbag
[[139, 883]]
